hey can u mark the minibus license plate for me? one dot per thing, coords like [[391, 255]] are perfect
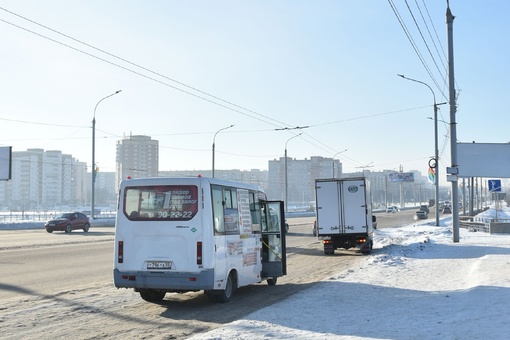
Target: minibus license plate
[[159, 265]]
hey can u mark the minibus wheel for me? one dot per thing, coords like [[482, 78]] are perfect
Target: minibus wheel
[[151, 295], [226, 294]]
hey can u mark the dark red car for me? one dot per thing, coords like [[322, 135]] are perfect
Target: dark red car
[[68, 222]]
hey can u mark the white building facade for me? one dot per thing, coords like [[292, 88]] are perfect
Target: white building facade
[[43, 180]]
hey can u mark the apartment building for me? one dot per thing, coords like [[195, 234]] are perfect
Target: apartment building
[[136, 156], [48, 179], [300, 175], [43, 180]]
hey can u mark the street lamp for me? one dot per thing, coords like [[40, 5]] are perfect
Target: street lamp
[[213, 147], [94, 153], [339, 152], [436, 150], [286, 173]]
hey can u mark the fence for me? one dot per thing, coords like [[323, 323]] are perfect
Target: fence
[[485, 224], [41, 216]]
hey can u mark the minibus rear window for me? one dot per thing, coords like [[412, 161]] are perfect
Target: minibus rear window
[[162, 202]]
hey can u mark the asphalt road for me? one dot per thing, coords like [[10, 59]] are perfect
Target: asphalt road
[[52, 285]]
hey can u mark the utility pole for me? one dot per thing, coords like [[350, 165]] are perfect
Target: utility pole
[[454, 170]]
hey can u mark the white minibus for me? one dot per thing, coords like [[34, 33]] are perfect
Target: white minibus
[[192, 234]]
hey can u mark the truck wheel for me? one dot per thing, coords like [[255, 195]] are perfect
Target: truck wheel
[[367, 249], [329, 250]]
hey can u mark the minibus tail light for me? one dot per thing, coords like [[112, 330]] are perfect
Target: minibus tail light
[[199, 252], [120, 252]]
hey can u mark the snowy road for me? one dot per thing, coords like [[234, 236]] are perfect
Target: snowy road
[[60, 285]]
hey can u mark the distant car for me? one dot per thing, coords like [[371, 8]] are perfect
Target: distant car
[[447, 209], [421, 215], [391, 209], [286, 226], [424, 207], [68, 222]]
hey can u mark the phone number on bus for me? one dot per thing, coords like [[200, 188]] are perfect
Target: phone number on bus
[[175, 214]]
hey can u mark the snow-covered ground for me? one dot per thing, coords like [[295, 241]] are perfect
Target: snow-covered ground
[[417, 284]]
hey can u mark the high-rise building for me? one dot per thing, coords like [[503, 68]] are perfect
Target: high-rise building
[[43, 180], [137, 156], [301, 175]]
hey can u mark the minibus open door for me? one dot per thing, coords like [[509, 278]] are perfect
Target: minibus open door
[[274, 255]]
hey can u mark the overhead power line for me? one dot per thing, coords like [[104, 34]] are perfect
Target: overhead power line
[[266, 119], [182, 87], [414, 45], [40, 123], [215, 100], [428, 49]]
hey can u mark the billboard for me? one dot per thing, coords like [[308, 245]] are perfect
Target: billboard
[[483, 160], [5, 162], [401, 177]]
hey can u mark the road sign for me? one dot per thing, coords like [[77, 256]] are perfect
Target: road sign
[[498, 196], [494, 185]]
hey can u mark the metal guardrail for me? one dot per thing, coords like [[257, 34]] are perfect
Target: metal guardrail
[[43, 216], [475, 226], [475, 223]]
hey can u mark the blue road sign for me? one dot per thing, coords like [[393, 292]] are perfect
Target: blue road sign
[[494, 185]]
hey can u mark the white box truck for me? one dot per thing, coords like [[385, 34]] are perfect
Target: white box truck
[[344, 214]]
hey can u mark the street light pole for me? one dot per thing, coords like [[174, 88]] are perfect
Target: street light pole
[[213, 147], [286, 173], [93, 171], [436, 149], [339, 152]]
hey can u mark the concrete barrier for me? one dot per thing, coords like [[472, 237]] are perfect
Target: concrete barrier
[[499, 228]]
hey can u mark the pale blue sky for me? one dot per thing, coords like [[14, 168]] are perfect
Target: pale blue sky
[[330, 65]]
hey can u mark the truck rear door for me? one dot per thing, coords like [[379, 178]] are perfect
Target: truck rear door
[[329, 207], [353, 196], [341, 207]]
